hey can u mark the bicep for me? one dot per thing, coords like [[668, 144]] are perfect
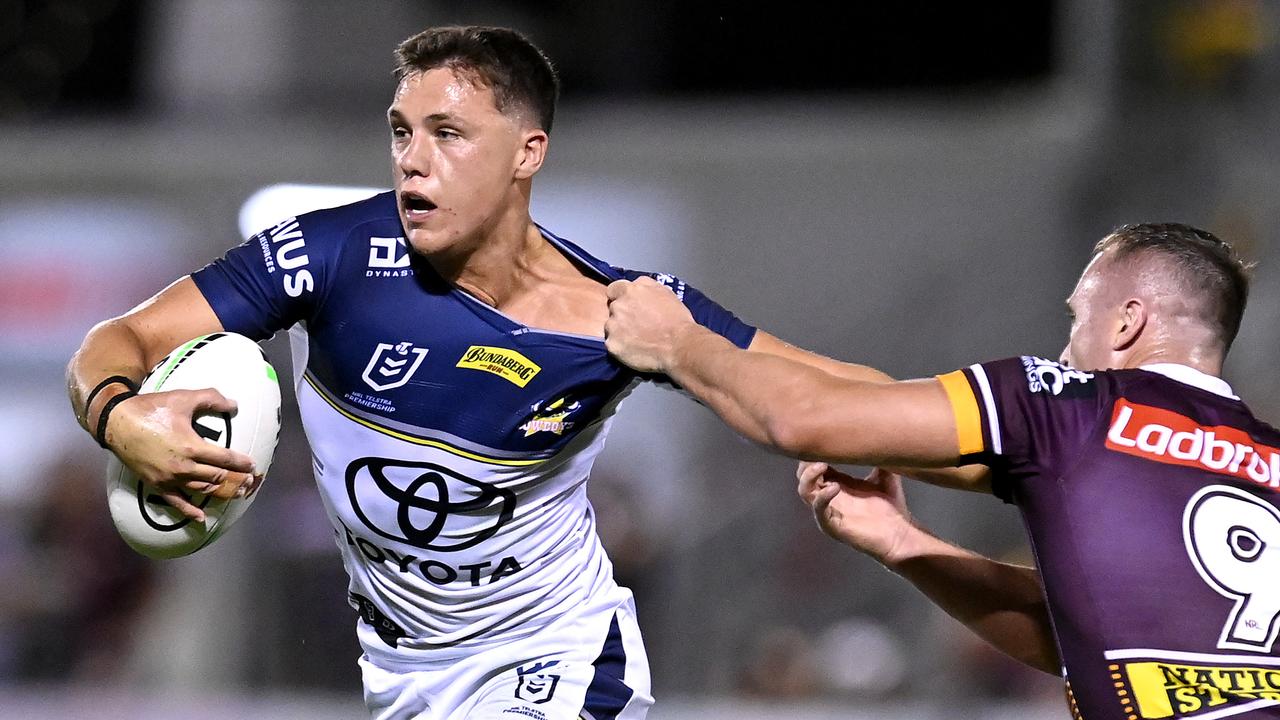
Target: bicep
[[874, 423], [169, 318]]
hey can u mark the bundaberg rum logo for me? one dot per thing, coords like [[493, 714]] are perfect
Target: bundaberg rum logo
[[503, 362]]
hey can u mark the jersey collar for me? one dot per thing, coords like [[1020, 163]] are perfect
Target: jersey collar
[[1190, 376]]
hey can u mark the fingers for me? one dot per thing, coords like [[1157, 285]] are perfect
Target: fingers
[[808, 470], [807, 475], [210, 454], [822, 499], [888, 481], [617, 288], [212, 480], [211, 400], [181, 504]]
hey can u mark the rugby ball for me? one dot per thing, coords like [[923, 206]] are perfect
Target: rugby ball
[[235, 366]]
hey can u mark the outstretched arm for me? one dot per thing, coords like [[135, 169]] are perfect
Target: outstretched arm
[[793, 407], [968, 477], [1001, 602]]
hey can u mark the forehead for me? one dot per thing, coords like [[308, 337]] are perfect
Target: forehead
[[1090, 280], [443, 90]]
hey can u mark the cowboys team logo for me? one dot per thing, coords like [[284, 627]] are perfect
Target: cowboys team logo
[[426, 505], [552, 418], [392, 365], [535, 686]]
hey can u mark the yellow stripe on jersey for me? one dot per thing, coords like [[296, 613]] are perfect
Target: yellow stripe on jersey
[[418, 440], [964, 406]]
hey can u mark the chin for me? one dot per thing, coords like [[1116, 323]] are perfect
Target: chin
[[426, 242]]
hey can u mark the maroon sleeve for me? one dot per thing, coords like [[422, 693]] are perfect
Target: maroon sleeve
[[1035, 415]]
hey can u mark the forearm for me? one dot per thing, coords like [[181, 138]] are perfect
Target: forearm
[[1001, 602], [111, 348], [970, 477], [748, 390], [975, 478], [809, 413]]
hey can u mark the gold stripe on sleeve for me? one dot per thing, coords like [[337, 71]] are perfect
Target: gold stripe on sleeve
[[964, 406]]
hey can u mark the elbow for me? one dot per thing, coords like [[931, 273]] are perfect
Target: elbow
[[790, 433], [1048, 659], [1047, 662]]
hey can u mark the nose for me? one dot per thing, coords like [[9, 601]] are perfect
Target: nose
[[411, 158], [1064, 358]]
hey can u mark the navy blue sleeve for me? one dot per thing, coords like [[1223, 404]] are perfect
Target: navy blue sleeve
[[267, 283], [705, 311]]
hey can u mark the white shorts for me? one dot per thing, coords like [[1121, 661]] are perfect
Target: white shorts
[[591, 667]]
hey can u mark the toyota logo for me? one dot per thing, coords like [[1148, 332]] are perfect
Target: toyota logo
[[430, 506]]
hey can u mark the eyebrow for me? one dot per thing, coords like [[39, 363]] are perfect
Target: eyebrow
[[394, 114]]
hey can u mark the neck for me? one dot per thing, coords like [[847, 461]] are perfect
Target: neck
[[1206, 359], [506, 259]]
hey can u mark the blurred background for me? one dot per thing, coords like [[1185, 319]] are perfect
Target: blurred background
[[913, 185]]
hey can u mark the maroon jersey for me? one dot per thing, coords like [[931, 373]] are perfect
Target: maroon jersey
[[1153, 508]]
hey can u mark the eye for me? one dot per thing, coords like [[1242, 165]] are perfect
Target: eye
[[399, 133], [447, 134]]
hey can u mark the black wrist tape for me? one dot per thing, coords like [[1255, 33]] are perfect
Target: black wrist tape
[[88, 401], [101, 434]]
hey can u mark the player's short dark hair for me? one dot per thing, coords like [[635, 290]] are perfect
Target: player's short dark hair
[[517, 73], [1205, 263]]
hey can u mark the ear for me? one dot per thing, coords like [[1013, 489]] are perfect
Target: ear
[[1133, 320], [531, 154]]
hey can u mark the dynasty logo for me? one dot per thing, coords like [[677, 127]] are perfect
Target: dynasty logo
[[552, 418], [503, 362]]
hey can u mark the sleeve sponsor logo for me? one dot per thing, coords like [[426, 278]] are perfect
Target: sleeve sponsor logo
[[676, 285], [1050, 377], [1168, 437], [1165, 690], [503, 362], [285, 244]]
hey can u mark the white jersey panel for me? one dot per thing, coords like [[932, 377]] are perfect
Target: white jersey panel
[[452, 547]]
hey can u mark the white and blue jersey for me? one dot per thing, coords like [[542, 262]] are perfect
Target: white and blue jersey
[[451, 444]]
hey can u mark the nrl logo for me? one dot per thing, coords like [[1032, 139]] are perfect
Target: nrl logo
[[392, 365], [535, 685], [551, 418]]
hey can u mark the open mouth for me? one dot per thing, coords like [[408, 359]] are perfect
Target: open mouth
[[415, 203]]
